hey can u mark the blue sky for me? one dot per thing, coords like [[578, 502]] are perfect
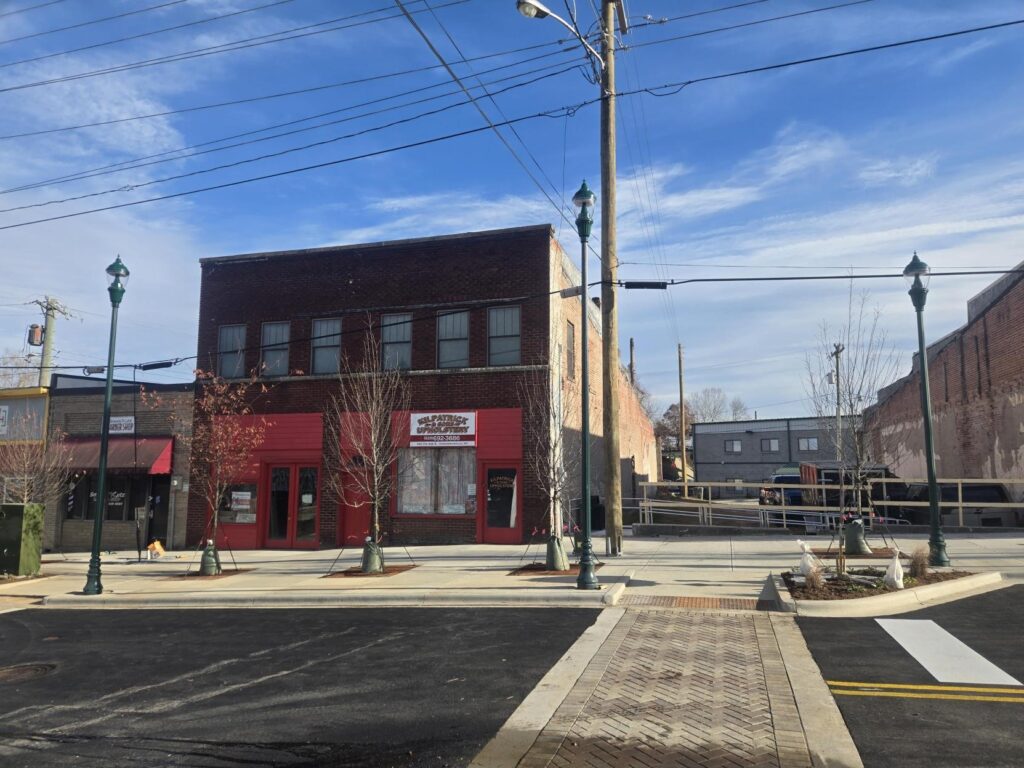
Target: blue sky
[[850, 164]]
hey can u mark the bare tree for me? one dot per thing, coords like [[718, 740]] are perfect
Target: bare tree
[[553, 449], [33, 469], [15, 371], [709, 404], [739, 409], [869, 361], [362, 440], [223, 433]]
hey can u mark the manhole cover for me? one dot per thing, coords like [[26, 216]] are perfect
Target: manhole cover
[[19, 673]]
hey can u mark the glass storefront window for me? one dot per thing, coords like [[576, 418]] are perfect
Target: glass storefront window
[[436, 481], [238, 504]]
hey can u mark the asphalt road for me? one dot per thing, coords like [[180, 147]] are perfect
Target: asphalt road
[[206, 688], [903, 716]]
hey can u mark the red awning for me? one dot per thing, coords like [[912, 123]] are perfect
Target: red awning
[[151, 455]]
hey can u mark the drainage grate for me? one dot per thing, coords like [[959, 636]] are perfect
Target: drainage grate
[[19, 673], [693, 603]]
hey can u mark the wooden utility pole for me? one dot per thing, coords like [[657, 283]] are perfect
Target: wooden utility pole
[[682, 421], [609, 270], [841, 559]]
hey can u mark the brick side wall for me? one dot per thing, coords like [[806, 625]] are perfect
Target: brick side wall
[[976, 377]]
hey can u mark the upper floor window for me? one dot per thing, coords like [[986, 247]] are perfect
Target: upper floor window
[[453, 340], [396, 340], [570, 348], [231, 351], [807, 443], [769, 445], [503, 340], [274, 349], [733, 446], [326, 345]]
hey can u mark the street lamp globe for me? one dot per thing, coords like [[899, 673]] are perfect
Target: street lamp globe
[[531, 9], [584, 199], [117, 279], [917, 270]]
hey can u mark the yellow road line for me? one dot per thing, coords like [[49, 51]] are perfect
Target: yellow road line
[[942, 696], [905, 686]]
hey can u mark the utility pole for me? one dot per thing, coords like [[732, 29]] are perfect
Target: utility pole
[[51, 308], [609, 271], [682, 421]]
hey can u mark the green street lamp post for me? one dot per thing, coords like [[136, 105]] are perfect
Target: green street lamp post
[[917, 274], [118, 274], [584, 199]]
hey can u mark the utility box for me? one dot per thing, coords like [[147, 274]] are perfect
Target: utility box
[[21, 539]]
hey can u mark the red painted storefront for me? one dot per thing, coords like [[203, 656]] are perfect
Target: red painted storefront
[[280, 502]]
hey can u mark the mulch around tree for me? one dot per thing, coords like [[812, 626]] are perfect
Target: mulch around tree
[[876, 553], [356, 572], [844, 588], [540, 569], [222, 575]]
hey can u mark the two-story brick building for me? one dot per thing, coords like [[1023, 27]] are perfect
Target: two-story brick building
[[467, 318]]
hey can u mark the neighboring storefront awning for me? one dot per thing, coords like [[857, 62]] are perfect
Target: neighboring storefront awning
[[151, 455]]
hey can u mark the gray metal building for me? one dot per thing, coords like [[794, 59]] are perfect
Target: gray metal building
[[752, 450]]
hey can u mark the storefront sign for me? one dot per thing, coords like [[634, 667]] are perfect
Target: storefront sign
[[3, 419], [122, 425], [442, 430]]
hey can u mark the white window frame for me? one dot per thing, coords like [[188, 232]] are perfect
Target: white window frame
[[278, 349], [804, 444], [238, 370], [499, 324], [448, 324], [395, 338], [771, 448], [325, 339], [736, 447]]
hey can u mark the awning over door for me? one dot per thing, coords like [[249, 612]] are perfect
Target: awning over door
[[151, 455]]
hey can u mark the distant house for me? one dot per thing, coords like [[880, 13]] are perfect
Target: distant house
[[750, 451]]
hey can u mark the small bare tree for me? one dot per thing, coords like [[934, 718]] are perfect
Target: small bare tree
[[868, 362], [223, 433], [554, 451], [738, 409], [362, 440], [16, 370], [33, 470]]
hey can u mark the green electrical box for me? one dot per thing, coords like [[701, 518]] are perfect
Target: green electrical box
[[21, 539]]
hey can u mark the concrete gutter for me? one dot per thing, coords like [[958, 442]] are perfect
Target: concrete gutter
[[883, 605]]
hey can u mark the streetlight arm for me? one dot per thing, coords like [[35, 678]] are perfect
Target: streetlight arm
[[548, 12]]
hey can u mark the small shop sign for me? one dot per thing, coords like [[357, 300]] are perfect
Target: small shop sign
[[122, 425], [442, 430]]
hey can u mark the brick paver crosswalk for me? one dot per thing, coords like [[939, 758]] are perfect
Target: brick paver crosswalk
[[679, 688]]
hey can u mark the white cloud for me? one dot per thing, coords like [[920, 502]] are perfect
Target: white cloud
[[905, 172]]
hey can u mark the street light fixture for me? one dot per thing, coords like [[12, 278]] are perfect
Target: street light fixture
[[610, 10], [532, 9], [584, 199], [917, 274], [117, 274]]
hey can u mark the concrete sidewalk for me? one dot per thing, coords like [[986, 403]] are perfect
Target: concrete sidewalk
[[694, 572]]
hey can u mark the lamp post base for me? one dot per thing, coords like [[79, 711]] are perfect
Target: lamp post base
[[93, 584], [937, 552], [587, 579]]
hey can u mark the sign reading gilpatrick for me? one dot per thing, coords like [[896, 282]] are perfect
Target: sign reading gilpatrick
[[444, 430]]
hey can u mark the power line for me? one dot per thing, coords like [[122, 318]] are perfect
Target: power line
[[304, 31], [28, 8], [144, 161], [129, 37], [269, 155], [567, 110], [89, 23], [283, 94]]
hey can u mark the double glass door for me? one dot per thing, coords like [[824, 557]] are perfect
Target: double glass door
[[293, 506]]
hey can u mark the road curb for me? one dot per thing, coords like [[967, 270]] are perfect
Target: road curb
[[883, 605], [567, 598], [518, 734]]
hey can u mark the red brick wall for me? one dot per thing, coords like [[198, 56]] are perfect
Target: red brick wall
[[976, 375], [422, 277]]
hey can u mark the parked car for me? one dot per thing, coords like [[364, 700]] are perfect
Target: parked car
[[974, 497], [794, 496]]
